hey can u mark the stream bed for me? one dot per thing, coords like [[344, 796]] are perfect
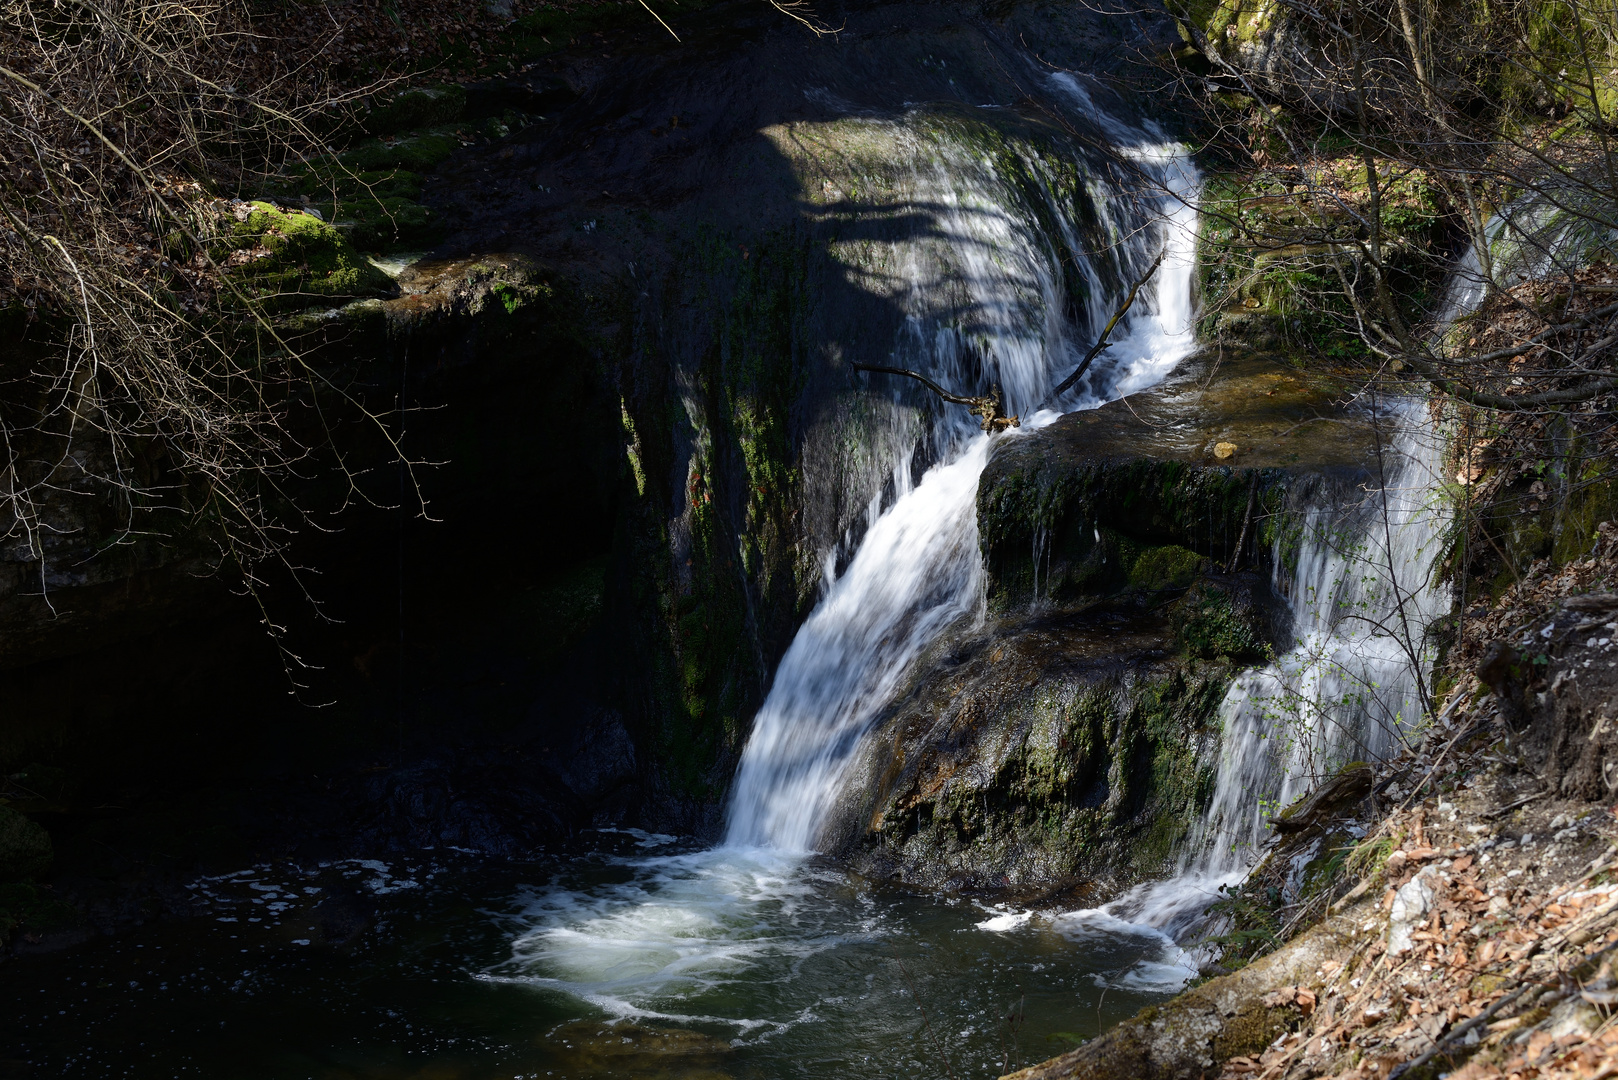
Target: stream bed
[[698, 963]]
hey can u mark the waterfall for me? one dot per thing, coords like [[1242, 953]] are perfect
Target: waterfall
[[988, 288], [1361, 593], [918, 569]]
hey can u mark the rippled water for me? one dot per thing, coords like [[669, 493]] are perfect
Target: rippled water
[[755, 959], [688, 965]]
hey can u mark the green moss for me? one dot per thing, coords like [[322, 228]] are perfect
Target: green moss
[[1249, 1031], [1270, 255], [1104, 779], [25, 847], [740, 587], [418, 152], [1208, 625], [1163, 519], [1166, 567], [1593, 500], [380, 224], [307, 259], [419, 107]]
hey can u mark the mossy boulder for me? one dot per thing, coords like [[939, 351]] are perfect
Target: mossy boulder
[[1167, 567], [25, 847], [418, 152], [380, 224], [1213, 621], [289, 258], [1134, 496], [418, 107], [1051, 752], [376, 209]]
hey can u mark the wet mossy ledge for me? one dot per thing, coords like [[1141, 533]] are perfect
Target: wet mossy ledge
[[1061, 750], [1057, 757], [1206, 471]]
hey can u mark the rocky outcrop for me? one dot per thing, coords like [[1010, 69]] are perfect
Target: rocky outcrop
[[1204, 470], [1066, 746], [625, 375], [1193, 1035]]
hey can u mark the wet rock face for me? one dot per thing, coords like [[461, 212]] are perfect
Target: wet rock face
[[1052, 752], [1068, 744], [659, 382], [1136, 494]]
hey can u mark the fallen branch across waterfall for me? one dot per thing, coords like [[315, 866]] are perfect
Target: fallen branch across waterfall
[[1102, 342], [989, 408]]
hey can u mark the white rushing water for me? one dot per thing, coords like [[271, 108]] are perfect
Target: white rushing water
[[665, 937], [985, 300], [1363, 593], [919, 569]]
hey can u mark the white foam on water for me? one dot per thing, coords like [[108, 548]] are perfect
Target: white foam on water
[[985, 299], [679, 928]]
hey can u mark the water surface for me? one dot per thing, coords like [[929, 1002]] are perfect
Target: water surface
[[696, 964]]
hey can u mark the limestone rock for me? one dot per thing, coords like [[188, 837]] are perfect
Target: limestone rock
[[1411, 906]]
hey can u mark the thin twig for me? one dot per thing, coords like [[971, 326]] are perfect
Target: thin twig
[[1102, 342]]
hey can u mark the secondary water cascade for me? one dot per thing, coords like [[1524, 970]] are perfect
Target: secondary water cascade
[[1361, 594]]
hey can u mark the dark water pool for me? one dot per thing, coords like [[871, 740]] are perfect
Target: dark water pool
[[683, 966]]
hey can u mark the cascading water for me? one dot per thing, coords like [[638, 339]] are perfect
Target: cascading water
[[918, 569], [1361, 594], [986, 302]]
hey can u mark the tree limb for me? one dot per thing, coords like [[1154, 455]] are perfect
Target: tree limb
[[1102, 342], [987, 408]]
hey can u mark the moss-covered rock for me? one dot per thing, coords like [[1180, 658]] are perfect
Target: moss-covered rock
[[1070, 743], [389, 223], [1051, 754], [287, 258], [1213, 621], [418, 151], [25, 847], [418, 107], [1134, 495]]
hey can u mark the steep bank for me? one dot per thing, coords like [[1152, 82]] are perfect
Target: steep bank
[[1471, 933]]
